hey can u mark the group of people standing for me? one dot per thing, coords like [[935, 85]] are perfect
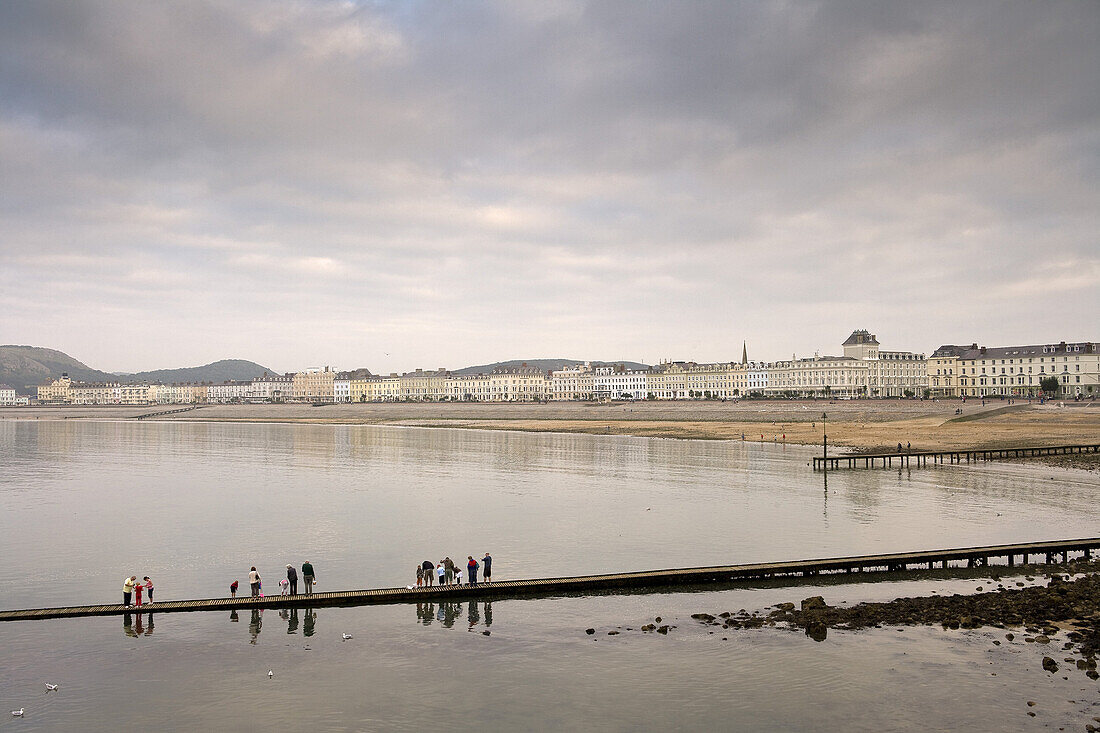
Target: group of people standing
[[288, 586], [445, 572], [134, 587]]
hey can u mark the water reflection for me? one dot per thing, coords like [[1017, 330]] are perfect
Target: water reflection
[[309, 622], [254, 624], [136, 627], [446, 613]]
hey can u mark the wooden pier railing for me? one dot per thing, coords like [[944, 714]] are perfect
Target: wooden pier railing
[[917, 459]]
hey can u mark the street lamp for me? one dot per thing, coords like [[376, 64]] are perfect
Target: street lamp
[[824, 442]]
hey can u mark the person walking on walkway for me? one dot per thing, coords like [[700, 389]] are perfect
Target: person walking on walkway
[[308, 576], [128, 589], [292, 576], [471, 570], [254, 581], [148, 588], [487, 568], [429, 572]]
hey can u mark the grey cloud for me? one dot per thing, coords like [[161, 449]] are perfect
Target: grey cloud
[[524, 171]]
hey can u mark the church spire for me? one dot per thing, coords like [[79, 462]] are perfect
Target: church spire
[[744, 353]]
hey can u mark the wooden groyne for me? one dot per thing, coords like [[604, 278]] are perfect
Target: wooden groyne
[[167, 412], [724, 575], [917, 459]]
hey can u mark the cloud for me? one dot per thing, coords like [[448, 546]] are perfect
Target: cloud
[[598, 180]]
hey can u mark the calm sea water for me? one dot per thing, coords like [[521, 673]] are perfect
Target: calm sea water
[[85, 504]]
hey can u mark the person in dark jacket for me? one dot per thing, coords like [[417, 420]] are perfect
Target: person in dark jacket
[[429, 572], [471, 570], [308, 576], [292, 576], [487, 568]]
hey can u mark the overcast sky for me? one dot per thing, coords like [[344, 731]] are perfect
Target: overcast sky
[[421, 184]]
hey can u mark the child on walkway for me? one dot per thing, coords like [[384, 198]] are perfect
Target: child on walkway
[[233, 589], [419, 576], [284, 587], [149, 587]]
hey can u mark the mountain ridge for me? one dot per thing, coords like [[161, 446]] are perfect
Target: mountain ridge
[[27, 367], [544, 365]]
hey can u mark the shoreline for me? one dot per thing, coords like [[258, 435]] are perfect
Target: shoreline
[[852, 426]]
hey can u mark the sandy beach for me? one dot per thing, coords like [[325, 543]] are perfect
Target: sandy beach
[[856, 424]]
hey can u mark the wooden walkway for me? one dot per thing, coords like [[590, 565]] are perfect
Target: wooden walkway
[[917, 459], [724, 575], [167, 412]]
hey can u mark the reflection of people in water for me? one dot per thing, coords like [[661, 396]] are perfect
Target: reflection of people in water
[[138, 628], [292, 624], [233, 616], [149, 628], [254, 624], [310, 620], [128, 625], [449, 611]]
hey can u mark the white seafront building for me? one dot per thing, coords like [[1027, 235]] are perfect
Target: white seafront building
[[9, 397], [863, 370], [1015, 371]]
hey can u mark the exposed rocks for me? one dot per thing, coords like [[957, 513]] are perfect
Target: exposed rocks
[[1074, 604], [813, 603], [590, 631], [1050, 665]]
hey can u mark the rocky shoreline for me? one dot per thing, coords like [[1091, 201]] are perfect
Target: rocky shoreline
[[1067, 602], [1061, 617]]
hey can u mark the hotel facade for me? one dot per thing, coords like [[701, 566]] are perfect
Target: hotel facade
[[862, 370], [1015, 371]]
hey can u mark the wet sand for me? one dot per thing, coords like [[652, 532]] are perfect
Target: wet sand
[[856, 424]]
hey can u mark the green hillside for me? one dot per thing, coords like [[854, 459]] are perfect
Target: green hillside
[[26, 367], [545, 365]]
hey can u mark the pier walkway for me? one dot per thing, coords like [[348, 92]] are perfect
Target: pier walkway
[[724, 575], [167, 412], [909, 459]]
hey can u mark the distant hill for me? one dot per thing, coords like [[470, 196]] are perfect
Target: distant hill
[[26, 367], [545, 365], [219, 371]]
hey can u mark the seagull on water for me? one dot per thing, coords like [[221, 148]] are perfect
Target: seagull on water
[[270, 674], [346, 636], [17, 713], [50, 688]]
